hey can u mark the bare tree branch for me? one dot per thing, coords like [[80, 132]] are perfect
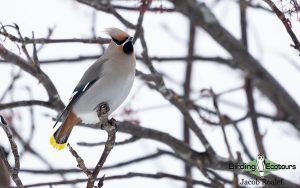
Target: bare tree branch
[[195, 58], [80, 162], [14, 171], [117, 165], [265, 82], [25, 104], [127, 141], [158, 175], [253, 117], [186, 93], [36, 72], [26, 40], [110, 128], [286, 22]]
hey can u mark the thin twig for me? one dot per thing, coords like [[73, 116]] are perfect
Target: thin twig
[[14, 171], [127, 141], [27, 40], [252, 113], [173, 97], [140, 21], [15, 77], [34, 52], [286, 22], [265, 82], [117, 165], [186, 95], [35, 71], [242, 142], [25, 103], [179, 59], [158, 175], [222, 123], [80, 162], [23, 45]]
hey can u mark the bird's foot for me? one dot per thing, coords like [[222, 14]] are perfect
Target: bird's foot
[[102, 109]]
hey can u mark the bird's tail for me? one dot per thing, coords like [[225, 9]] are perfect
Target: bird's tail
[[61, 135]]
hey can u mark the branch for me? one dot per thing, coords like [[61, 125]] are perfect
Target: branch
[[15, 77], [158, 175], [286, 22], [121, 164], [25, 104], [80, 162], [14, 171], [140, 21], [183, 59], [182, 150], [265, 82], [187, 90], [107, 7], [127, 141], [36, 72], [110, 128], [151, 9], [26, 40], [172, 97], [253, 117], [222, 122], [242, 141]]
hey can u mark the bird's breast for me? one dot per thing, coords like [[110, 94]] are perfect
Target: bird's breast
[[112, 88]]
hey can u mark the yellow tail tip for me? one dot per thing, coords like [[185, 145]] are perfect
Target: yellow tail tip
[[55, 144]]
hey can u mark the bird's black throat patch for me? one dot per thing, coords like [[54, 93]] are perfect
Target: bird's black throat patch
[[128, 48], [119, 42]]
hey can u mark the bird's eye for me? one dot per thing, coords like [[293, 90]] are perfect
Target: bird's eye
[[118, 42]]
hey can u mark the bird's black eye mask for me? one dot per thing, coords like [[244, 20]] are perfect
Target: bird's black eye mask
[[118, 42]]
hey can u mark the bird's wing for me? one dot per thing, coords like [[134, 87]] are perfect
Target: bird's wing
[[94, 72], [91, 75]]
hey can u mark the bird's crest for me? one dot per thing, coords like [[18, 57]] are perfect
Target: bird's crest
[[116, 33]]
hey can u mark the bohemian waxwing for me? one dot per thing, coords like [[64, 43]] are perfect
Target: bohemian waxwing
[[108, 80]]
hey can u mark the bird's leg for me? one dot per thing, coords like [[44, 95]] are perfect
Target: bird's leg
[[102, 108], [102, 112]]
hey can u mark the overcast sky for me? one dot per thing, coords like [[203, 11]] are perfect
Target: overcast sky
[[167, 35]]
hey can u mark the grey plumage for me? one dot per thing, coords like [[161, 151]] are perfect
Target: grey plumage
[[92, 73], [108, 80], [114, 81]]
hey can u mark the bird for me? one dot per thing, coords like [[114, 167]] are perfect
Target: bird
[[260, 164], [107, 81]]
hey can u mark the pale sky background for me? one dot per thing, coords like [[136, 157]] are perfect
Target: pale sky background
[[167, 35]]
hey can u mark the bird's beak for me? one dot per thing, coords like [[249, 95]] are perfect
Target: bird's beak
[[129, 39]]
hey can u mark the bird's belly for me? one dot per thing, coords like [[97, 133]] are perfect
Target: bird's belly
[[109, 89]]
